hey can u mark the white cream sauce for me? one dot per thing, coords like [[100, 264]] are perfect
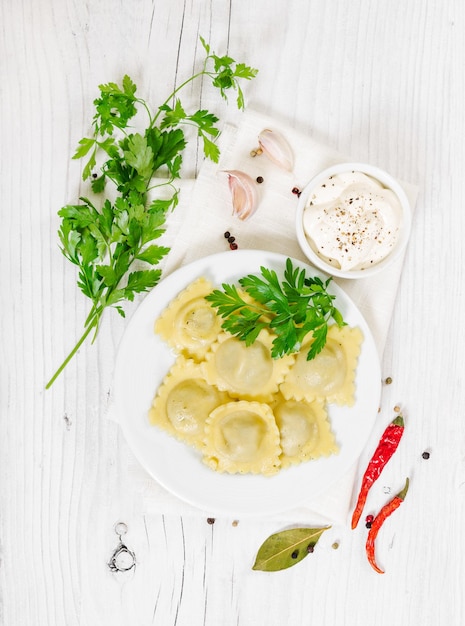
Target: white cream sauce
[[352, 221]]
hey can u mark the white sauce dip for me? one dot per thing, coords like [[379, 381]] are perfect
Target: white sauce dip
[[352, 221]]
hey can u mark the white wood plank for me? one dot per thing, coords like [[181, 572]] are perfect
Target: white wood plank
[[382, 82]]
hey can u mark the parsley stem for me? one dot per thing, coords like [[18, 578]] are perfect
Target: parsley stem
[[181, 86], [147, 109], [93, 322]]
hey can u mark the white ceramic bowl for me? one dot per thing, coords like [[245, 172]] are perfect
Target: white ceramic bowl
[[388, 182]]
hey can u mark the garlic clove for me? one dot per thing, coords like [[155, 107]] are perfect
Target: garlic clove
[[244, 194], [276, 148]]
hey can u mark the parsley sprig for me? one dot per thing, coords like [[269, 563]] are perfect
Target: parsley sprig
[[290, 308], [112, 244]]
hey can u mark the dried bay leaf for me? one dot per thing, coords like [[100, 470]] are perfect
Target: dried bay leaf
[[286, 548]]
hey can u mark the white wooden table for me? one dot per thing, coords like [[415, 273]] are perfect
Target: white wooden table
[[381, 81]]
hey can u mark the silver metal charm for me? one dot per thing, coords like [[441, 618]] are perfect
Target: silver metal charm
[[122, 559]]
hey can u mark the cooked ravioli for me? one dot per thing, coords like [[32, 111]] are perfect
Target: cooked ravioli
[[248, 372], [184, 401], [245, 411], [330, 375], [304, 431], [242, 437], [190, 324]]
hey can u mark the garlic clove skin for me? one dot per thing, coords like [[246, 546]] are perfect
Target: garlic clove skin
[[243, 192], [276, 148]]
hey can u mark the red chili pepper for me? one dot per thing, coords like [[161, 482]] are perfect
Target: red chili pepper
[[386, 448], [385, 512]]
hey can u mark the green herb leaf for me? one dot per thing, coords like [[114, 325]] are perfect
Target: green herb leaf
[[204, 44], [291, 308], [89, 166], [206, 122], [141, 281], [173, 116], [287, 548], [85, 145], [104, 242], [153, 254], [210, 149], [129, 86], [139, 155]]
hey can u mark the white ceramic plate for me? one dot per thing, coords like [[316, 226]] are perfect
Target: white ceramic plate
[[143, 360]]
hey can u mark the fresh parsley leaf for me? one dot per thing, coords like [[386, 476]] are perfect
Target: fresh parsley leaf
[[98, 184], [205, 45], [173, 116], [206, 122], [115, 107], [210, 149], [129, 87], [90, 165], [142, 281], [153, 254], [291, 308], [139, 155], [173, 142], [84, 146]]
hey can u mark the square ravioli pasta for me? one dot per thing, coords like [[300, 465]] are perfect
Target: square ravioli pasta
[[242, 437], [304, 430], [184, 401], [246, 372], [330, 376], [189, 323]]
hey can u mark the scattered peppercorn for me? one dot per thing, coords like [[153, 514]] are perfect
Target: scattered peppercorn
[[335, 545], [295, 554], [94, 175], [296, 191], [388, 380], [231, 240], [369, 521], [425, 455], [259, 179], [210, 520], [310, 548]]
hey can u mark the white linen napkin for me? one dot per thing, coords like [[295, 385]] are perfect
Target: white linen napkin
[[196, 229]]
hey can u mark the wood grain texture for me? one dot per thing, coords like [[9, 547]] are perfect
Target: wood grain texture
[[380, 81]]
